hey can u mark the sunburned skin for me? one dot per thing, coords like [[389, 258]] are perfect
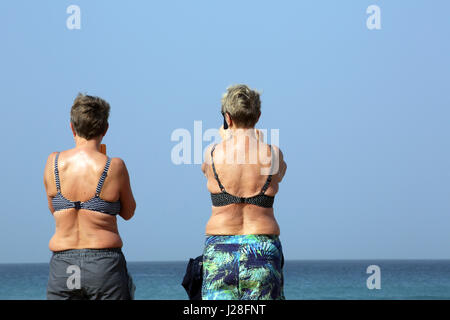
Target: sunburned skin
[[242, 180], [79, 171]]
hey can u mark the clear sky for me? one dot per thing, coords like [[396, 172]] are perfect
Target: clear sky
[[363, 117]]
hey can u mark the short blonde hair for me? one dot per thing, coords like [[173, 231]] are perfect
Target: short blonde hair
[[243, 104]]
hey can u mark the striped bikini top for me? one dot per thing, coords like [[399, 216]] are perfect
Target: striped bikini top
[[224, 198], [95, 203]]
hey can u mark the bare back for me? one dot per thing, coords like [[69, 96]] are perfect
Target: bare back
[[241, 180], [79, 173]]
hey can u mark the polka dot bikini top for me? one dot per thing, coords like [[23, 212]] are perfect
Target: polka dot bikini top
[[224, 198]]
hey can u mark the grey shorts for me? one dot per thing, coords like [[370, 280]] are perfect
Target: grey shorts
[[89, 274]]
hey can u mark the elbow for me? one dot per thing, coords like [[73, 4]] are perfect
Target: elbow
[[127, 216], [129, 213]]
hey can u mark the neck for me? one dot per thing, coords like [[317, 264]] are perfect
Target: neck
[[238, 132], [92, 144]]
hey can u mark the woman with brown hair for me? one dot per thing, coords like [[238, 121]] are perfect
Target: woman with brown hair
[[86, 190]]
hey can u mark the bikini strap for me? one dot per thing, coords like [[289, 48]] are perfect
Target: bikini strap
[[269, 178], [214, 170], [266, 185], [58, 184], [102, 178]]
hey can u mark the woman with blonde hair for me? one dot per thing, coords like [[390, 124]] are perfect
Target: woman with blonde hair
[[243, 256]]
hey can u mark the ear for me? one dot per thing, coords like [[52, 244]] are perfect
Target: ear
[[73, 130], [228, 120]]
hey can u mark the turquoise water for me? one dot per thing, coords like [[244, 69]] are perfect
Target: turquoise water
[[400, 279]]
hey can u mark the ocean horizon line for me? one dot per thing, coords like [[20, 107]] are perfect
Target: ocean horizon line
[[286, 260]]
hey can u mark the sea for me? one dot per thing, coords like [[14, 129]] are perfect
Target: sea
[[304, 280]]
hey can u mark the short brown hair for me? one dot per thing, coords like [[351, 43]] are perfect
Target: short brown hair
[[243, 104], [89, 116]]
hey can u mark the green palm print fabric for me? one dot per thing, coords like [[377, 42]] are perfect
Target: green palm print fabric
[[242, 267]]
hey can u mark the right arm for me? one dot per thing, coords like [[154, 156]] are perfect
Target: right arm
[[282, 164], [127, 202]]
